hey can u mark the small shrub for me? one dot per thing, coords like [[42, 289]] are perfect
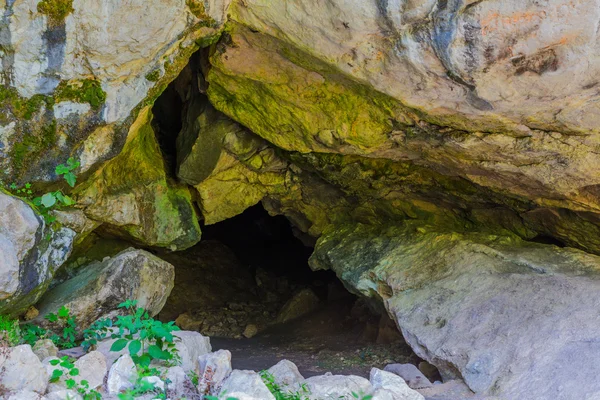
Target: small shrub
[[138, 333], [82, 387], [69, 328], [10, 333]]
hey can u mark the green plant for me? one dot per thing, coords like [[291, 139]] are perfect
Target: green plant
[[69, 328], [70, 372], [32, 333], [146, 338], [279, 392], [10, 333], [56, 10], [57, 198]]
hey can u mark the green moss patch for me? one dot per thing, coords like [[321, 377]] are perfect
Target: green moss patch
[[56, 10], [85, 91], [153, 76]]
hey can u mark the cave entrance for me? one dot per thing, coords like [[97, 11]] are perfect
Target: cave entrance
[[248, 286]]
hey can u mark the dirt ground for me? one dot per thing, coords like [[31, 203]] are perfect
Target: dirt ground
[[328, 340]]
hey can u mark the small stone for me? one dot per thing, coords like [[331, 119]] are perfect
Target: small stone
[[411, 374], [155, 381], [285, 373], [122, 375], [177, 382], [301, 304], [245, 385], [31, 313], [45, 348], [213, 368], [250, 331], [387, 384], [336, 386]]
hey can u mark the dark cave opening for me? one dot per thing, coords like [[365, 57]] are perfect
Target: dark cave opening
[[248, 284]]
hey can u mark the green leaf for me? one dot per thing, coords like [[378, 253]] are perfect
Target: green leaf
[[61, 169], [144, 360], [74, 372], [70, 178], [54, 362], [70, 383], [118, 345], [56, 374], [48, 200], [135, 346], [157, 353], [63, 312]]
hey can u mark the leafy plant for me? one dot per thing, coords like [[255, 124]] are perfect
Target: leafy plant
[[57, 198], [32, 333], [83, 386], [69, 328], [279, 392], [10, 333], [146, 338]]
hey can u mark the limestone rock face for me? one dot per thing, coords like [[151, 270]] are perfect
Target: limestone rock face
[[98, 288], [30, 254], [493, 100], [131, 197], [78, 74], [492, 310]]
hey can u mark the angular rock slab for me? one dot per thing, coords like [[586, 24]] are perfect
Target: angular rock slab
[[512, 319], [21, 369], [30, 254], [336, 387], [100, 287], [245, 385]]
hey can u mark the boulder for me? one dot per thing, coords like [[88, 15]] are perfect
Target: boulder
[[413, 377], [300, 304], [336, 387], [21, 369], [92, 368], [286, 374], [494, 311], [98, 288], [212, 369], [122, 375], [30, 253], [245, 385], [190, 346], [25, 395], [391, 385], [45, 348], [178, 383]]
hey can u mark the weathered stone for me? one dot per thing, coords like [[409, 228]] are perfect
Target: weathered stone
[[45, 348], [30, 254], [410, 374], [178, 383], [492, 310], [64, 394], [131, 197], [394, 384], [21, 369], [99, 288], [245, 385], [286, 374], [300, 304], [25, 395], [250, 331], [336, 386], [122, 375], [212, 369], [92, 368], [190, 346]]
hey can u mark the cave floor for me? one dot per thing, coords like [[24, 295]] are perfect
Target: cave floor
[[325, 341]]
